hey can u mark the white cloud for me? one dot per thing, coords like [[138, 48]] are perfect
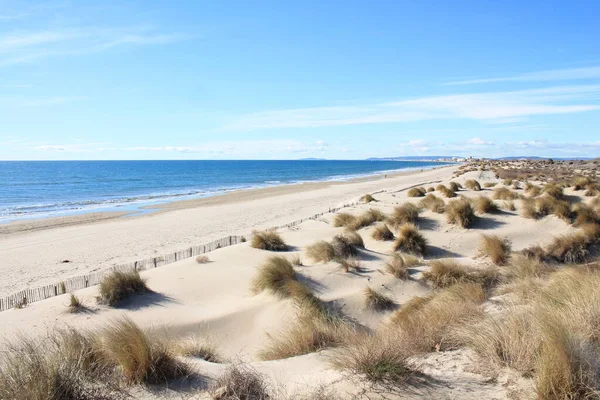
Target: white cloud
[[71, 148], [505, 107], [479, 142], [540, 76]]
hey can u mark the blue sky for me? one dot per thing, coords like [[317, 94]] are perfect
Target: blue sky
[[281, 79]]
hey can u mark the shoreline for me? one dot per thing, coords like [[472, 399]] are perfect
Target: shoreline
[[227, 197], [42, 253]]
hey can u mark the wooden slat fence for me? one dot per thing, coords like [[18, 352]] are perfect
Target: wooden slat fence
[[24, 297]]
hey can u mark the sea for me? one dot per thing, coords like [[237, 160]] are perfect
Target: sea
[[38, 189]]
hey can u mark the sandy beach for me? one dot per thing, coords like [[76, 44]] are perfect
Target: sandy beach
[[216, 301]]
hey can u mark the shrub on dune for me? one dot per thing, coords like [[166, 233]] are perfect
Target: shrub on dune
[[274, 275], [472, 184], [321, 251], [446, 192], [570, 248], [433, 203], [496, 248], [503, 193], [585, 214], [367, 198], [529, 209], [75, 304], [240, 382], [377, 301], [397, 266], [416, 192], [343, 247], [484, 204], [353, 238], [382, 232], [460, 212], [373, 215], [344, 220], [410, 240], [139, 359], [404, 214], [455, 187], [442, 274], [268, 240], [580, 182], [553, 190], [117, 286]]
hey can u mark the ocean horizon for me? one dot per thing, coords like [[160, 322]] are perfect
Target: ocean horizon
[[39, 189]]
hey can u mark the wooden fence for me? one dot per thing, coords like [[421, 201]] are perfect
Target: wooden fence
[[24, 297]]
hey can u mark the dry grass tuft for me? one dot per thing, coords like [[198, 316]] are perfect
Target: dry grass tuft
[[274, 275], [410, 240], [430, 189], [503, 193], [268, 240], [382, 232], [553, 190], [240, 382], [407, 213], [397, 266], [472, 184], [585, 214], [446, 273], [202, 259], [535, 252], [580, 182], [350, 264], [296, 260], [321, 251], [75, 304], [377, 301], [446, 192], [489, 184], [591, 231], [353, 238], [192, 346], [433, 203], [344, 220], [343, 247], [460, 212], [139, 359], [416, 192], [507, 182], [484, 204], [570, 248], [117, 286], [455, 187], [509, 205], [367, 198], [496, 248], [378, 358]]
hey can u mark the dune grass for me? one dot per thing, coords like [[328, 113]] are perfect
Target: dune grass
[[553, 190], [570, 248], [344, 219], [446, 273], [407, 213], [382, 233], [460, 212], [484, 205], [455, 187], [268, 240], [75, 304], [489, 184], [117, 286], [377, 301], [367, 198], [343, 247], [321, 251], [472, 184], [350, 264], [433, 203], [446, 192], [496, 248], [580, 182], [410, 240], [509, 205], [584, 214], [275, 275], [416, 192], [202, 259], [503, 193], [240, 382], [353, 238], [397, 266]]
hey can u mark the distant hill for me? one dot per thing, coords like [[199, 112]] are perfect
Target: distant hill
[[409, 158], [544, 158]]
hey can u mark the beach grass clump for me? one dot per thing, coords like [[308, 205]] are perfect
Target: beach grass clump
[[416, 192], [570, 248], [75, 304], [275, 275], [584, 214], [503, 193], [460, 212], [535, 252], [472, 184], [445, 273], [489, 184], [430, 189], [353, 238], [268, 240], [553, 190], [446, 192], [351, 264], [407, 213], [509, 205], [367, 198], [378, 357], [433, 203], [592, 190], [202, 259], [321, 251], [522, 266], [496, 248], [410, 240], [138, 358], [382, 233], [117, 286], [507, 181], [344, 219], [343, 247], [378, 301], [397, 266], [533, 191], [454, 186], [580, 182], [591, 231], [366, 219], [427, 324], [484, 205], [240, 382]]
